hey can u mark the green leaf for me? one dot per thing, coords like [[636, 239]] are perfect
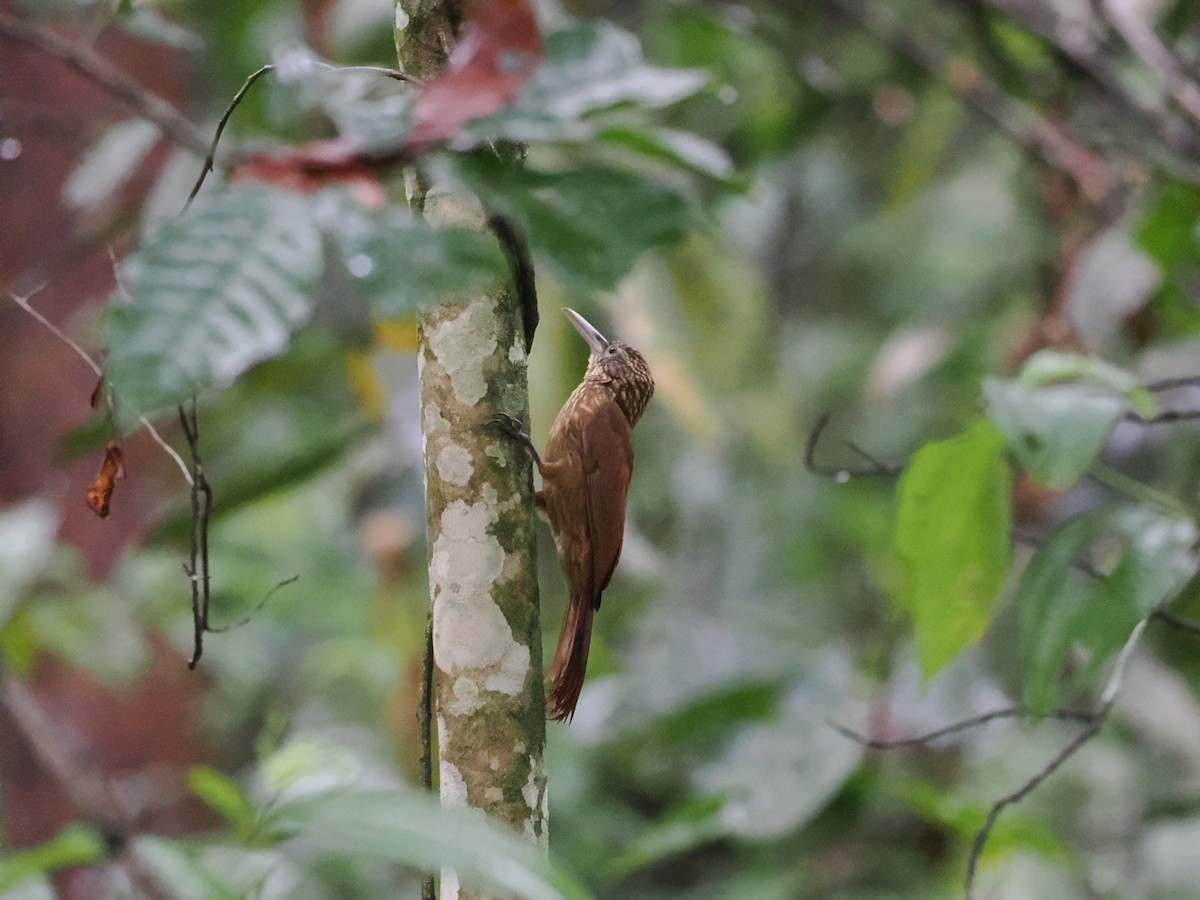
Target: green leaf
[[1048, 367], [1162, 553], [1059, 412], [589, 225], [223, 795], [1061, 609], [963, 818], [696, 823], [683, 148], [369, 110], [399, 261], [414, 829], [186, 870], [212, 292], [1175, 310], [75, 845], [587, 68], [1057, 431], [952, 540], [1168, 232], [1054, 603]]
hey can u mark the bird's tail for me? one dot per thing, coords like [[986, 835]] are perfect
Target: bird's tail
[[570, 658]]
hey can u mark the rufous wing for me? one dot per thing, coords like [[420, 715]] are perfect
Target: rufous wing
[[608, 468]]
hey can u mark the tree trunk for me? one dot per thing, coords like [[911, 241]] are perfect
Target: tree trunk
[[487, 677]]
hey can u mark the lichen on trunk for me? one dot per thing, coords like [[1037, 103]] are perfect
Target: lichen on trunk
[[488, 692], [486, 636]]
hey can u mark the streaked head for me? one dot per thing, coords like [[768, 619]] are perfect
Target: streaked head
[[619, 365]]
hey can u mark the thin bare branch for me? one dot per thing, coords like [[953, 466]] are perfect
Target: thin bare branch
[[1107, 698], [90, 791], [1164, 418], [116, 803], [22, 300], [1012, 712], [1022, 124], [196, 568], [1127, 20], [1071, 748], [425, 729], [1170, 384], [842, 474], [249, 617], [1074, 44], [1177, 621], [170, 121], [210, 156], [1171, 415]]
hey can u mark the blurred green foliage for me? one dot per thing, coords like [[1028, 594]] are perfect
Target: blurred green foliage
[[875, 251]]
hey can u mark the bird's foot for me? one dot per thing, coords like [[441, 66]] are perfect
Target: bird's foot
[[510, 425]]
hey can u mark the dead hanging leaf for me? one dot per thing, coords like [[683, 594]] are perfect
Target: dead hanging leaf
[[313, 165], [100, 491], [499, 51]]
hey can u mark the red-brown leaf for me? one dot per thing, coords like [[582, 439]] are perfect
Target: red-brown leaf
[[499, 50], [100, 491]]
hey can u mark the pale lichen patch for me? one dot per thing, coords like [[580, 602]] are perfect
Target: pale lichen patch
[[464, 530], [534, 793], [454, 465], [466, 698], [462, 344], [514, 666], [496, 452], [454, 788], [434, 422], [470, 631], [493, 794]]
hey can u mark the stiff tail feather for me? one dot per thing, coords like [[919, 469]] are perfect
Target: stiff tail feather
[[570, 659]]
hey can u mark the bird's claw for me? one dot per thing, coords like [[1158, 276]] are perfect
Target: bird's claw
[[506, 423], [510, 425]]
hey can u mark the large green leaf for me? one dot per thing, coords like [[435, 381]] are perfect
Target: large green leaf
[[1055, 432], [1065, 603], [587, 68], [400, 262], [211, 293], [952, 539], [223, 795], [1059, 412], [1163, 552], [1053, 600], [414, 829], [589, 225]]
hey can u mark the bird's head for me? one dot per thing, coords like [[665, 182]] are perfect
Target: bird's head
[[617, 364]]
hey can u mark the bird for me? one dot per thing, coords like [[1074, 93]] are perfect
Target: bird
[[586, 470]]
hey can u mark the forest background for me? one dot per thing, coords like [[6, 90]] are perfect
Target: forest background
[[918, 285]]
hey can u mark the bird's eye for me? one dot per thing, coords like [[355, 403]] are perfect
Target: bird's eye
[[612, 351]]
